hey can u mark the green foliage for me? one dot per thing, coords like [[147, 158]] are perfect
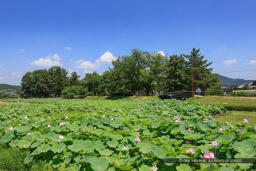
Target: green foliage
[[121, 134], [10, 87], [42, 83], [139, 72], [246, 87], [242, 94], [230, 81], [92, 82], [13, 159], [74, 91], [230, 103]]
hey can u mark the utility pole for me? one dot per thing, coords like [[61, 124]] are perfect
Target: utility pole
[[192, 82]]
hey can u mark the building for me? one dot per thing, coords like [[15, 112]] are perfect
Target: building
[[251, 85]]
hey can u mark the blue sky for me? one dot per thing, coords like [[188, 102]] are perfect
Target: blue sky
[[85, 36]]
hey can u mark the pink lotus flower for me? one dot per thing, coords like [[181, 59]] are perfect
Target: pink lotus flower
[[66, 118], [189, 130], [245, 121], [142, 155], [29, 133], [154, 168], [204, 119], [125, 148], [187, 142], [175, 117], [26, 117], [94, 128], [103, 116], [221, 129], [61, 137], [49, 126], [169, 119], [214, 143], [11, 128], [210, 116], [190, 150], [254, 129], [158, 110], [112, 119], [177, 121], [137, 139], [42, 120], [62, 123], [209, 156]]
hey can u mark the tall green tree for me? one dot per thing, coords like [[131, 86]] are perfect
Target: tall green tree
[[74, 79], [201, 71], [176, 73], [36, 84], [58, 79], [92, 82], [106, 85]]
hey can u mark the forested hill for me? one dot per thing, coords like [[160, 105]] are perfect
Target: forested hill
[[230, 81], [8, 87]]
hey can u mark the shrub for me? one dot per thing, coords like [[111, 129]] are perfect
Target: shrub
[[74, 91]]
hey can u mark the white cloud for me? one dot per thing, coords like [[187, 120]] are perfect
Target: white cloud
[[107, 57], [16, 74], [2, 68], [161, 53], [252, 62], [2, 77], [222, 49], [49, 61], [86, 65], [230, 62], [68, 48], [21, 50], [103, 62]]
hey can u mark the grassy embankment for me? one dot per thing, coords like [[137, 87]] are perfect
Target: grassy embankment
[[239, 108]]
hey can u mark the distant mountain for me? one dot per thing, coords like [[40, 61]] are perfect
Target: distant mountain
[[230, 81], [10, 87]]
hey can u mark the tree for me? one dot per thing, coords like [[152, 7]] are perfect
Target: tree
[[246, 87], [36, 84], [92, 82], [176, 73], [201, 73], [127, 72], [106, 87], [74, 91], [57, 79], [156, 66], [74, 79]]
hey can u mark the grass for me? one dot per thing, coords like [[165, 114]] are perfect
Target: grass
[[13, 159], [230, 103], [236, 117], [223, 100]]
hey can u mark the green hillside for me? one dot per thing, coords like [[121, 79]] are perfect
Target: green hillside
[[230, 81], [10, 87]]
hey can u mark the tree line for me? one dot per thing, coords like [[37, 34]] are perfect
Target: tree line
[[132, 74]]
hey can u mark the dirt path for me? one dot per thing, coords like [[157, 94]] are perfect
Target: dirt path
[[10, 103]]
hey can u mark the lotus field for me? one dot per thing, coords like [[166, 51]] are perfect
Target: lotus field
[[125, 134]]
